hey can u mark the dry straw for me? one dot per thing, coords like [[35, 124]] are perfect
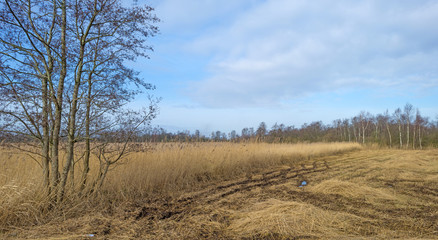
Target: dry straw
[[172, 167], [289, 218], [167, 168]]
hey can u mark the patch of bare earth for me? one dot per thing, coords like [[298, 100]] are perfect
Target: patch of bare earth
[[366, 194]]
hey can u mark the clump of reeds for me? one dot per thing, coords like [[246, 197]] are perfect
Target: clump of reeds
[[177, 166]]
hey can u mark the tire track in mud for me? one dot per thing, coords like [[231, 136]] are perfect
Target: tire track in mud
[[171, 208], [385, 215], [336, 165], [353, 162], [275, 177], [371, 217], [168, 208]]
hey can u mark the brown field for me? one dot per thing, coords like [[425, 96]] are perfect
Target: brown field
[[236, 191]]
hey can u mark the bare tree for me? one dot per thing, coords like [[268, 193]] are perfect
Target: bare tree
[[399, 117], [354, 122], [346, 124], [376, 122], [339, 131], [261, 132], [62, 70], [419, 122], [386, 119], [364, 119], [408, 114]]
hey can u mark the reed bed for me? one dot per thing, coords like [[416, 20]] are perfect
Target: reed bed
[[171, 167], [164, 169]]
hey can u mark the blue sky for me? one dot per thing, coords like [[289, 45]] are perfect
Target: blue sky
[[224, 65]]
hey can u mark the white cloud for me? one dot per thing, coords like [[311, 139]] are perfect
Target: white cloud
[[278, 50]]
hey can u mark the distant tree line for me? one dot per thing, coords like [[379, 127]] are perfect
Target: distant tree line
[[403, 128]]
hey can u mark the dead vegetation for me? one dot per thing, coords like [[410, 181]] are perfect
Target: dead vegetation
[[365, 194]]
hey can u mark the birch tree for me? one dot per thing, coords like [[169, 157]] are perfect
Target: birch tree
[[419, 122], [408, 115], [399, 117], [364, 119], [386, 118]]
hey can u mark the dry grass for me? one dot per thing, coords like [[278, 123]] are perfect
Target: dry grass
[[275, 218], [172, 167], [247, 191], [353, 190], [19, 178], [163, 168]]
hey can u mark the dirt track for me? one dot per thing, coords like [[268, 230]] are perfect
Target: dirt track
[[367, 194]]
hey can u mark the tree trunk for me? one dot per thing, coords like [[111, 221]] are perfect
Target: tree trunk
[[71, 131], [61, 180], [359, 134], [389, 134], [45, 138], [74, 108], [86, 161], [103, 176], [377, 128], [400, 134], [407, 134], [413, 138], [354, 133], [72, 174], [86, 167], [58, 100]]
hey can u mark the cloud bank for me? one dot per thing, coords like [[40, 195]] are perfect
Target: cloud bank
[[279, 50]]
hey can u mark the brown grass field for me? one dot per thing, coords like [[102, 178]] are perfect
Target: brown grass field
[[236, 191]]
